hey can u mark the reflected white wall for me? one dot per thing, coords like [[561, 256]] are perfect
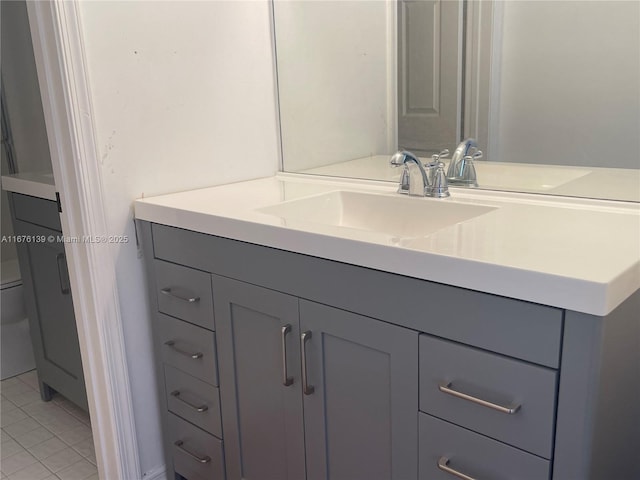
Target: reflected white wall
[[570, 84], [336, 75]]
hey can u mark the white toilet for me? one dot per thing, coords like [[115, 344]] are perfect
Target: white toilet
[[16, 352]]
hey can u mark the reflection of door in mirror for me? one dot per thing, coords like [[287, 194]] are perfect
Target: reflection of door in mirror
[[429, 69], [550, 90]]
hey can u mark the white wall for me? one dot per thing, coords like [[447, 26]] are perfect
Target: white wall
[[570, 83], [183, 97], [336, 76]]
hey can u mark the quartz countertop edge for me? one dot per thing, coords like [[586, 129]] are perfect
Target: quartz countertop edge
[[40, 185], [233, 216]]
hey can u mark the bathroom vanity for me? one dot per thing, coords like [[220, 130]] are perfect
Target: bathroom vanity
[[300, 334], [49, 305]]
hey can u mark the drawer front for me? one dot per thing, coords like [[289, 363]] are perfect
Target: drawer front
[[188, 348], [471, 454], [37, 211], [184, 293], [196, 454], [502, 381], [193, 400]]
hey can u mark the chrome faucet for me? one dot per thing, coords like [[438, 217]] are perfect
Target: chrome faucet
[[461, 170], [418, 179]]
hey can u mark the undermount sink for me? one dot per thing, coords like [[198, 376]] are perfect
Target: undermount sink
[[393, 215]]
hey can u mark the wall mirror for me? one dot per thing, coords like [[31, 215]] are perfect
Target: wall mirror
[[550, 89]]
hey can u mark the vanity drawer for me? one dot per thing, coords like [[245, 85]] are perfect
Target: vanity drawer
[[188, 348], [196, 454], [38, 211], [493, 378], [193, 400], [184, 293], [471, 454]]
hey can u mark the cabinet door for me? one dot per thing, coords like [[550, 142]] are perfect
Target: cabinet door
[[361, 407], [51, 316], [257, 334]]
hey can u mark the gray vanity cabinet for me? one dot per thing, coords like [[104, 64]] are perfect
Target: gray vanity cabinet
[[337, 372], [259, 363], [354, 378], [52, 322], [360, 396], [187, 365]]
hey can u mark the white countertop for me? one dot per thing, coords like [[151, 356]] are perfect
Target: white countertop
[[39, 185], [579, 254]]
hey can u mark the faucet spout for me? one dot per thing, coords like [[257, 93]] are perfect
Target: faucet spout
[[462, 150], [415, 179], [461, 171]]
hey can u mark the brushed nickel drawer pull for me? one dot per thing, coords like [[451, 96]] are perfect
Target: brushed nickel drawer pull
[[510, 410], [443, 464], [205, 459], [306, 388], [197, 408], [286, 379], [172, 344], [63, 274], [167, 291]]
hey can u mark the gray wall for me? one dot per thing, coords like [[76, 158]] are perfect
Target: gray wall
[[22, 94], [23, 103], [569, 84]]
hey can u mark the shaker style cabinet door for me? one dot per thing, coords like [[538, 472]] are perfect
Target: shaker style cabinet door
[[360, 385], [259, 365], [51, 316]]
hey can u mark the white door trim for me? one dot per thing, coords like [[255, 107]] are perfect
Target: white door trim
[[482, 74], [59, 52]]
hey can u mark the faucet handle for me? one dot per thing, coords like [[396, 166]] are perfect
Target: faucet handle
[[477, 155], [435, 159], [437, 156], [439, 185]]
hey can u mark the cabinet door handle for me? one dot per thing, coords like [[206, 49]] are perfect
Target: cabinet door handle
[[306, 388], [286, 379], [443, 464], [197, 408], [172, 344], [205, 459], [167, 291], [65, 288], [510, 410]]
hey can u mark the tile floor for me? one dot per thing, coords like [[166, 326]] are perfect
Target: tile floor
[[43, 440]]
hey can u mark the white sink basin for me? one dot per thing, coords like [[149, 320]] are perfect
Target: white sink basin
[[396, 215]]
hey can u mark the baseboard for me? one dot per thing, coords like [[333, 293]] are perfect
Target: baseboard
[[157, 473]]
